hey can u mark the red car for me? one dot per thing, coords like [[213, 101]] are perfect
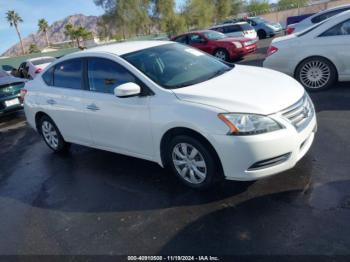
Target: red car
[[218, 44]]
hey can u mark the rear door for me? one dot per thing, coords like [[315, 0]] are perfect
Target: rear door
[[233, 31], [65, 99]]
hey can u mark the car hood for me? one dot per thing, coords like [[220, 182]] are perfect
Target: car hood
[[245, 89]]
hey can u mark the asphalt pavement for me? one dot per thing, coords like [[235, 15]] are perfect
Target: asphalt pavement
[[94, 202]]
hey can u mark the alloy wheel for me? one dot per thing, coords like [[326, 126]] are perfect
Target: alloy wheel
[[315, 74], [50, 134], [221, 55], [189, 163]]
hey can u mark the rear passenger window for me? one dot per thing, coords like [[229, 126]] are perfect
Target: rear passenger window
[[181, 39], [68, 74], [104, 75], [48, 76], [232, 29]]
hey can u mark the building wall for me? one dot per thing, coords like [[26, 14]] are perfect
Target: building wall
[[281, 16]]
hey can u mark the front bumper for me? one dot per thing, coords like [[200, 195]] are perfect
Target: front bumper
[[240, 155], [241, 52]]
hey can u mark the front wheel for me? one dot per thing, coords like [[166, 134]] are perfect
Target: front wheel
[[222, 54], [52, 135], [192, 162], [316, 73]]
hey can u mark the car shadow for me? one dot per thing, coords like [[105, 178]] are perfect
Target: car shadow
[[295, 222]]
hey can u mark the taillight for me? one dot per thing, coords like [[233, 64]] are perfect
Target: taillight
[[290, 30], [38, 70], [271, 50], [22, 94]]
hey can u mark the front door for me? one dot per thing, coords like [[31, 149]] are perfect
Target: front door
[[120, 124]]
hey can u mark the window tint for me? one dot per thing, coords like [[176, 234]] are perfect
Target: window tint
[[340, 29], [48, 76], [181, 39], [68, 74], [326, 15], [195, 39], [104, 75], [232, 29]]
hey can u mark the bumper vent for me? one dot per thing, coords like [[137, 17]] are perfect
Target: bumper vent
[[269, 162], [300, 114]]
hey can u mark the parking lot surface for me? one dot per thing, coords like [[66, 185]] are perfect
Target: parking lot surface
[[96, 202]]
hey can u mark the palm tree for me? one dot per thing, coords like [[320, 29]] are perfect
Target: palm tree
[[43, 27], [14, 19]]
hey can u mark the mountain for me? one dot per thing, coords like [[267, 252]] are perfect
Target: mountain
[[55, 33]]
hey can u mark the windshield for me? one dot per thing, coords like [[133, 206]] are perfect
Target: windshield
[[213, 35], [258, 20], [175, 65], [43, 61]]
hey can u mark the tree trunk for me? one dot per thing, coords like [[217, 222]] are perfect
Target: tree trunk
[[47, 39], [20, 39]]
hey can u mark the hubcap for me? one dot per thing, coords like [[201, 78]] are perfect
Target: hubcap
[[221, 55], [315, 74], [50, 134], [189, 163]]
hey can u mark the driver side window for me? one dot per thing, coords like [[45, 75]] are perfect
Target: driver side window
[[104, 75], [195, 39]]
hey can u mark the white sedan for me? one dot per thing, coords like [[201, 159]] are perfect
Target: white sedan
[[176, 106], [318, 56]]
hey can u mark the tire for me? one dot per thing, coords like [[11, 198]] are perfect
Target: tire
[[222, 54], [316, 74], [198, 170], [52, 135], [261, 34]]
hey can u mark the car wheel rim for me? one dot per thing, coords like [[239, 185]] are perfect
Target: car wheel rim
[[50, 134], [189, 163], [221, 55], [315, 74]]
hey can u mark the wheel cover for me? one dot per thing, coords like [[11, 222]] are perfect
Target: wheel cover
[[221, 55], [189, 163], [315, 74], [50, 134]]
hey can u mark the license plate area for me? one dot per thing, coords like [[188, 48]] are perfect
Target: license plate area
[[12, 102]]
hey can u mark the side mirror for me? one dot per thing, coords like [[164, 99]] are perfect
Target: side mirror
[[127, 90]]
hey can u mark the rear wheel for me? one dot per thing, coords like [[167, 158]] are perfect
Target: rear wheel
[[316, 73], [52, 135], [192, 162], [222, 54]]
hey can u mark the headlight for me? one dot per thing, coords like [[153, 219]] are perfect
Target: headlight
[[249, 124], [237, 44]]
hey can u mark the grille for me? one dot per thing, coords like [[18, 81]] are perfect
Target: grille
[[299, 114]]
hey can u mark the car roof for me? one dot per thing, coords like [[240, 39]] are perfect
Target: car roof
[[228, 24], [126, 47], [329, 10], [38, 58]]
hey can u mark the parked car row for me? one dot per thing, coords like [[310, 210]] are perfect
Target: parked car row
[[317, 56], [12, 84]]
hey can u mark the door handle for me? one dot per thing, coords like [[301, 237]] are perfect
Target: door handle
[[51, 101], [92, 107]]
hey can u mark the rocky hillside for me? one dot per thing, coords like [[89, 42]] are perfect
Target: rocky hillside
[[55, 33]]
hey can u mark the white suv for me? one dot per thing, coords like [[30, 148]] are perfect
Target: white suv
[[174, 105]]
